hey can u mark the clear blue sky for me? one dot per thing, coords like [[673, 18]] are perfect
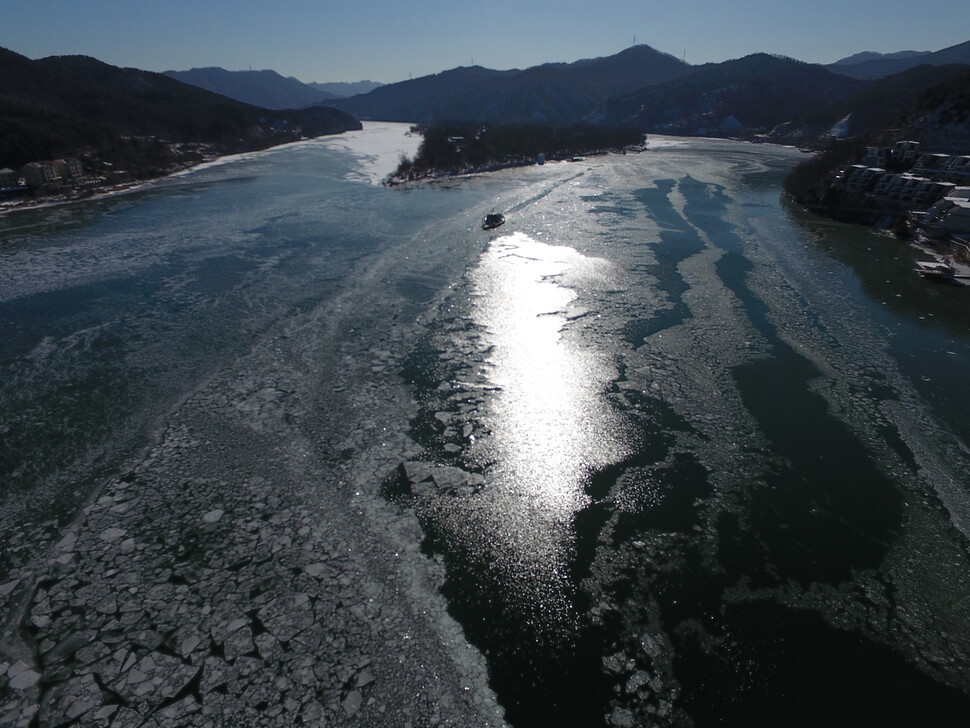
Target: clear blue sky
[[384, 40]]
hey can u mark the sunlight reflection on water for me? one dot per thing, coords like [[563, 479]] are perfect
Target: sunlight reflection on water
[[550, 424]]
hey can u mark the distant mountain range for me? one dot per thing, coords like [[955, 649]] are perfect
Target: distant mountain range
[[758, 91], [269, 89], [551, 92], [867, 56], [777, 97], [783, 99], [342, 89], [259, 88], [54, 105], [871, 66], [564, 89], [640, 86], [66, 105]]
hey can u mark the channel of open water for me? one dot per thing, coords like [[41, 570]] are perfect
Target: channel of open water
[[675, 453]]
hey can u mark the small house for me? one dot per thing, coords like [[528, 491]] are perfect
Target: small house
[[39, 174]]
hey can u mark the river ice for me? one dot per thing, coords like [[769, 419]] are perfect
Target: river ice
[[282, 448]]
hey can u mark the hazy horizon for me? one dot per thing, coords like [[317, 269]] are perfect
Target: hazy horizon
[[390, 42]]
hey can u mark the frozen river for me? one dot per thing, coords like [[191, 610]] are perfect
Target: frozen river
[[280, 445]]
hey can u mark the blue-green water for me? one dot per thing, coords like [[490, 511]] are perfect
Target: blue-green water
[[717, 449]]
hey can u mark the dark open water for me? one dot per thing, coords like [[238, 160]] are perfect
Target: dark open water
[[712, 452]]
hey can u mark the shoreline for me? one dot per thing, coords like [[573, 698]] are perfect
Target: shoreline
[[50, 201], [96, 193], [650, 143]]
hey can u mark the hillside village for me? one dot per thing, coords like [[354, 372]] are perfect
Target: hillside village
[[72, 178], [69, 178], [47, 177], [931, 190], [919, 195]]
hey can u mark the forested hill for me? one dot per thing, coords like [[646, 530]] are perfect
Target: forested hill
[[759, 93], [553, 92], [63, 105], [878, 65], [269, 89], [759, 96], [260, 88]]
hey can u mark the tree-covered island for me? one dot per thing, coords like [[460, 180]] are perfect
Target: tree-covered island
[[463, 148]]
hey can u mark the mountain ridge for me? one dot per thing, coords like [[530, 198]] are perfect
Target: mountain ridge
[[67, 105], [890, 64], [867, 56], [270, 89], [343, 89], [760, 90], [265, 88], [781, 98], [548, 92]]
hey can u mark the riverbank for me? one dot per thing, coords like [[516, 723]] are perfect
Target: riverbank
[[94, 191]]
